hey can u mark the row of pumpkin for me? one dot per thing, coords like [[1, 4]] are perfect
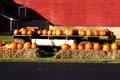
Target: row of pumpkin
[[19, 45], [68, 32], [89, 46]]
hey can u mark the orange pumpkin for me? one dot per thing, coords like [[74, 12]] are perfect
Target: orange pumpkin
[[58, 32], [24, 32], [27, 45], [106, 47], [45, 32], [88, 32], [13, 45], [39, 32], [53, 32], [33, 29], [88, 46], [81, 33], [102, 32], [50, 32], [114, 46], [95, 32], [65, 47], [63, 32], [29, 32], [16, 32], [96, 46], [81, 47], [74, 46], [69, 32], [22, 29], [20, 46], [34, 45]]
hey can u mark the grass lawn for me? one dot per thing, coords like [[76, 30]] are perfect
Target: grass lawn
[[6, 38], [53, 60]]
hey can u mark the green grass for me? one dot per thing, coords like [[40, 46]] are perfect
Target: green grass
[[6, 38], [53, 60]]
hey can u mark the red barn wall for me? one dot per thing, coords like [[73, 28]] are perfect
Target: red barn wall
[[77, 12]]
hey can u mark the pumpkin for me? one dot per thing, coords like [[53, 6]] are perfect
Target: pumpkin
[[20, 46], [106, 47], [96, 46], [24, 32], [13, 45], [29, 32], [81, 47], [102, 32], [34, 45], [63, 32], [58, 32], [50, 32], [16, 32], [69, 32], [33, 29], [65, 47], [88, 46], [95, 32], [22, 29], [53, 32], [81, 33], [39, 32], [27, 45], [114, 46], [88, 32], [45, 32], [74, 46]]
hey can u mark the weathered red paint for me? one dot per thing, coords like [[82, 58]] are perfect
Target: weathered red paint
[[77, 12]]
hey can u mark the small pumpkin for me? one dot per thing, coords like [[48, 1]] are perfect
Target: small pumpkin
[[96, 46], [88, 32], [20, 45], [81, 33], [16, 32], [13, 45]]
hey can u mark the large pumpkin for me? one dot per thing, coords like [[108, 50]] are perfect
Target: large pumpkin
[[34, 45], [27, 45], [102, 33], [106, 47], [74, 46], [114, 46], [96, 46], [81, 33], [81, 47], [95, 32], [20, 46], [58, 32], [88, 32], [65, 47], [16, 32], [88, 46], [13, 45], [22, 29]]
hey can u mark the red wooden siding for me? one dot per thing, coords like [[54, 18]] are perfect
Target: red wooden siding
[[77, 12]]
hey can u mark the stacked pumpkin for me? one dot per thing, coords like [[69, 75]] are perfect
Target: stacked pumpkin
[[24, 31], [20, 45], [89, 46]]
